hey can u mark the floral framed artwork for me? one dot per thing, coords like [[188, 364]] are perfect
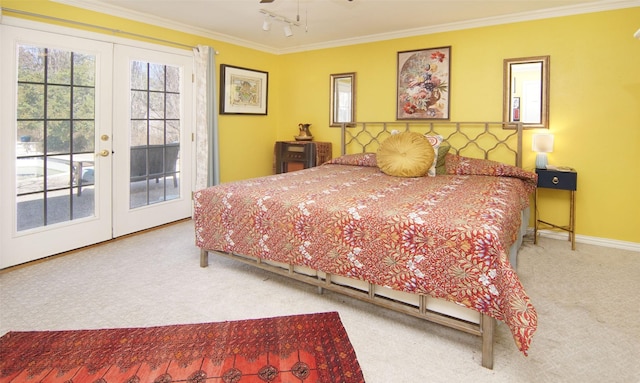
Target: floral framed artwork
[[424, 78], [243, 90]]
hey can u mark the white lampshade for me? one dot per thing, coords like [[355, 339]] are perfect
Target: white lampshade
[[542, 144]]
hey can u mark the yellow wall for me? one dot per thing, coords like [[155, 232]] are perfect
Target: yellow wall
[[594, 100]]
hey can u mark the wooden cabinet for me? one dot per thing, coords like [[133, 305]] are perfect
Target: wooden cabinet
[[298, 155]]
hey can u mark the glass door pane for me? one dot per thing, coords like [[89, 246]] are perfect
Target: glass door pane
[[154, 134], [54, 159]]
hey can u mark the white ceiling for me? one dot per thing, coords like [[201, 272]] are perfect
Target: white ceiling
[[326, 23]]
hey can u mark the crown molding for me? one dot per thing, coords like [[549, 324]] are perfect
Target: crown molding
[[112, 10], [605, 5], [597, 6]]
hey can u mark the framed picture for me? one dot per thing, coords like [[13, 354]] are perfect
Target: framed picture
[[243, 91], [516, 109], [424, 78]]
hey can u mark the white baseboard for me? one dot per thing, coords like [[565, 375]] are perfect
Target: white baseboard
[[604, 242]]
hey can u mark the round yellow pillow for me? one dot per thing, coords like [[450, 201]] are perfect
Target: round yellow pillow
[[406, 154]]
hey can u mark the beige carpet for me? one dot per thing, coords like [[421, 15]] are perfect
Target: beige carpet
[[587, 301]]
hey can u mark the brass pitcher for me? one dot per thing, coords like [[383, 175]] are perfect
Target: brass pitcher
[[304, 130]]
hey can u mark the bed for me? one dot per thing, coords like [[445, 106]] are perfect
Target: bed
[[440, 247]]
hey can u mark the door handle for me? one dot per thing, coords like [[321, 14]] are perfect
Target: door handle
[[103, 153]]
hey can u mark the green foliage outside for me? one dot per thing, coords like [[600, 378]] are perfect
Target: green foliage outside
[[56, 98]]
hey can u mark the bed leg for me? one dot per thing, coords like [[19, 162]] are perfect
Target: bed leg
[[488, 325], [204, 258]]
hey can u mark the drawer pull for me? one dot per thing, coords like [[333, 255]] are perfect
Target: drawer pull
[[555, 180]]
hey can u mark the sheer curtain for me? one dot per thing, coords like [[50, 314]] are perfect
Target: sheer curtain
[[207, 155]]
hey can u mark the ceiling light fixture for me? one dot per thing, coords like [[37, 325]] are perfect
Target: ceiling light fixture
[[288, 23], [287, 30], [266, 24]]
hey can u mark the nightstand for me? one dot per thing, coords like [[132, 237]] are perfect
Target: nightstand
[[559, 180], [298, 155]]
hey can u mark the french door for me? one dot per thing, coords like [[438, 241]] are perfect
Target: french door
[[86, 154], [154, 148]]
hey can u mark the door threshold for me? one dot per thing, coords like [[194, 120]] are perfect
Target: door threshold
[[54, 256]]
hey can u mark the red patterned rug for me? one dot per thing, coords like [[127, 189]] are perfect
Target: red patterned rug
[[301, 348]]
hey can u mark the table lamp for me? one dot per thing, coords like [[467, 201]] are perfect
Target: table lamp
[[542, 144]]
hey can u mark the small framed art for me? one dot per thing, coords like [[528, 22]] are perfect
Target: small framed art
[[243, 90], [424, 78]]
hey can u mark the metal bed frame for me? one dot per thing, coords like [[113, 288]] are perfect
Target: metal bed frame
[[488, 140]]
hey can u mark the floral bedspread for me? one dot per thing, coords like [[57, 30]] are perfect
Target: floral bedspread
[[446, 236]]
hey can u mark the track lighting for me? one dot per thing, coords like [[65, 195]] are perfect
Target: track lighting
[[287, 23], [287, 30]]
